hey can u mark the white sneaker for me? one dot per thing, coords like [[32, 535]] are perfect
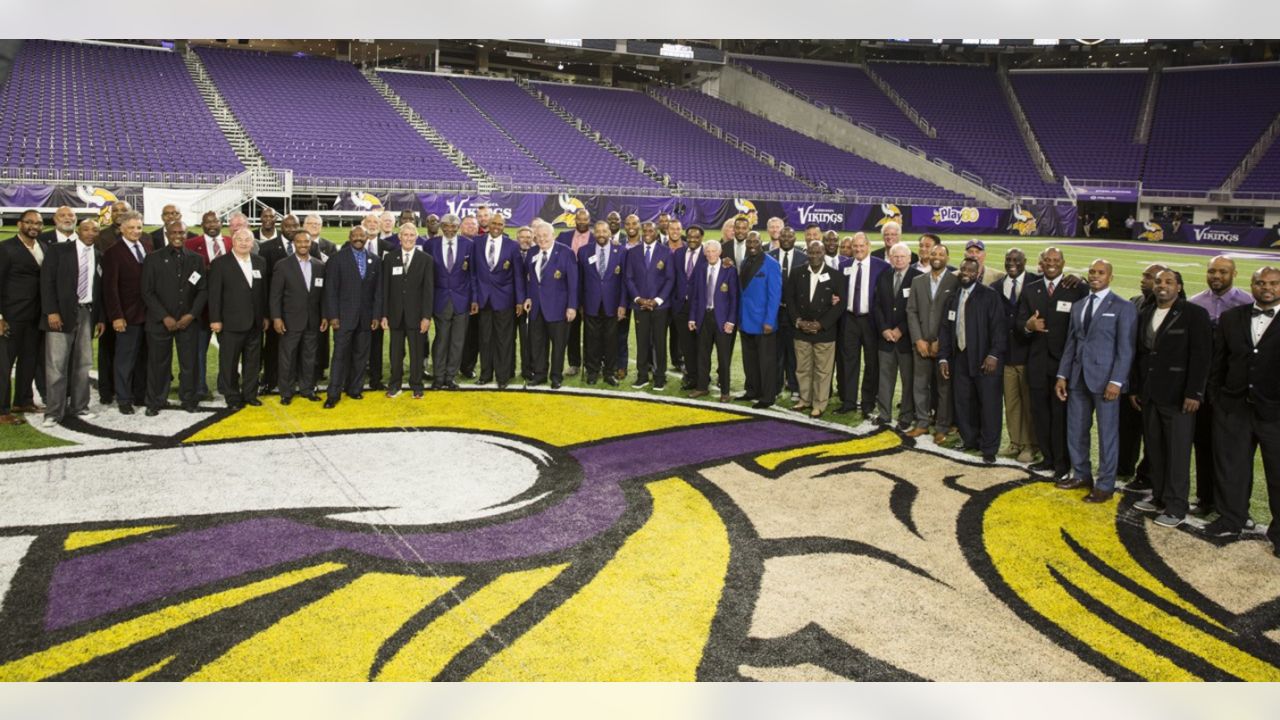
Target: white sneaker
[[49, 422], [87, 415]]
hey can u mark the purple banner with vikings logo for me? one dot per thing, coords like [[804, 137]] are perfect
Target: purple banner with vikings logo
[[25, 196], [1227, 235], [955, 219]]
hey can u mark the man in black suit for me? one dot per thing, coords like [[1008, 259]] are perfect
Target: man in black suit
[[168, 214], [1246, 406], [815, 314], [686, 259], [353, 304], [20, 339], [273, 251], [791, 259], [321, 249], [71, 302], [238, 315], [64, 227], [889, 308], [1171, 366], [297, 287], [174, 288], [107, 238], [1017, 392], [1044, 317], [1130, 419], [972, 343], [408, 290]]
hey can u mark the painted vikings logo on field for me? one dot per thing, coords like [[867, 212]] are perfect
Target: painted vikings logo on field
[[955, 215], [1022, 222], [891, 213], [1151, 232], [489, 535], [100, 198], [569, 207], [748, 208]]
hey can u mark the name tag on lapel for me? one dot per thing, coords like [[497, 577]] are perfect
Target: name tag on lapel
[[822, 277], [195, 278], [906, 292], [591, 260], [397, 270], [319, 282], [848, 270], [1064, 306], [257, 274], [951, 314], [1108, 314]]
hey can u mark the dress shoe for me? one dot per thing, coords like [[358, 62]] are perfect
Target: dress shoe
[[746, 398], [192, 408], [437, 386], [1220, 529], [11, 419], [1199, 510], [357, 396], [1138, 485], [502, 386], [393, 392], [573, 370], [611, 381], [417, 394], [917, 432], [28, 408], [126, 409], [330, 404], [468, 374], [698, 394], [620, 374], [286, 400], [255, 402], [724, 398], [535, 383], [312, 397], [1042, 466], [1026, 456], [1099, 496], [761, 405], [592, 379], [152, 412], [107, 399], [207, 397], [1011, 451], [846, 409], [801, 408], [686, 385], [815, 413], [377, 386], [451, 385], [904, 425], [989, 459], [939, 438], [555, 385], [267, 390], [1073, 483], [49, 423]]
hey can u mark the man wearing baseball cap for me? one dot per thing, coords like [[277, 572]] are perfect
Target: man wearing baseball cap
[[977, 250]]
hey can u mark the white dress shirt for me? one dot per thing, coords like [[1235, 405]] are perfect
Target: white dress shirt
[[865, 290], [214, 247], [1259, 325], [246, 267], [86, 255]]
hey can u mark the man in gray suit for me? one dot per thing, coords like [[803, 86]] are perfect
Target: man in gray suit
[[929, 295], [1094, 371]]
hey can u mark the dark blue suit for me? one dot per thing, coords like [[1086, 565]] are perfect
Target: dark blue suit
[[454, 293], [859, 339], [975, 394], [710, 327], [602, 296], [684, 343], [652, 280], [760, 280], [355, 303], [1091, 360], [497, 292], [550, 297]]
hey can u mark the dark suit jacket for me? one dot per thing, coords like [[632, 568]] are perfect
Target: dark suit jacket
[[798, 259], [1245, 376], [290, 298], [20, 281], [407, 296], [1177, 367], [232, 302], [682, 286], [168, 288], [59, 278], [986, 334], [122, 283], [353, 300], [820, 308], [503, 287], [1019, 343], [273, 251], [107, 237], [157, 237], [602, 296], [1044, 349], [323, 249], [848, 269], [890, 311], [50, 237]]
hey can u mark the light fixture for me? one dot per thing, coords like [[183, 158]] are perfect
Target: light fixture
[[560, 66]]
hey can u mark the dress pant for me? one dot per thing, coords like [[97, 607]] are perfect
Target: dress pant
[[446, 352], [239, 355], [1017, 407], [977, 405], [160, 365], [1203, 443], [376, 342], [68, 358], [675, 342], [858, 344], [897, 367], [600, 338], [497, 344], [548, 335], [470, 347], [270, 358], [203, 336], [350, 358], [1130, 441], [684, 344], [760, 360], [322, 353], [131, 365], [1049, 419], [21, 348], [298, 352], [107, 364], [711, 335], [624, 332], [931, 392], [1168, 432], [526, 356], [787, 352], [1082, 406], [815, 363], [1237, 435], [575, 342], [416, 342], [651, 346]]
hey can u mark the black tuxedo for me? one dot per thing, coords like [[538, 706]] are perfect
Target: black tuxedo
[[272, 252], [174, 284], [1044, 353], [408, 297], [820, 308], [976, 395], [1245, 390], [241, 308], [299, 306], [20, 306]]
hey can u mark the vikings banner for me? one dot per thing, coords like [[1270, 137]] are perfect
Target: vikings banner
[[1229, 235], [81, 198], [955, 219], [1046, 219]]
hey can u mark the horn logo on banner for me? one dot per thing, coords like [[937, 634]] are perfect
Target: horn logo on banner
[[748, 208], [99, 198], [891, 214], [1151, 232], [1023, 222], [365, 201], [569, 207]]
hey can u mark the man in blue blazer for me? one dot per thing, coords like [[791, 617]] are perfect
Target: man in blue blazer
[[552, 283], [859, 340], [1092, 374], [604, 303], [687, 260], [650, 280], [973, 342], [499, 299], [713, 318], [760, 278], [353, 305], [455, 292]]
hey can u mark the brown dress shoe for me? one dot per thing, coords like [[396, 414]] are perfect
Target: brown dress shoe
[[33, 408], [815, 413], [917, 432], [1099, 496], [698, 394], [724, 398], [1073, 483], [11, 419], [939, 438], [801, 408]]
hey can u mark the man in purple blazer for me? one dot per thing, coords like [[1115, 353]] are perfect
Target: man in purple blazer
[[650, 281], [499, 299], [604, 302], [551, 280], [713, 315], [454, 294]]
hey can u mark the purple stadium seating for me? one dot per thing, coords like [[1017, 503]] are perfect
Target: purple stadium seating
[[816, 160], [668, 142], [1085, 120], [1265, 176], [62, 111], [322, 119], [1206, 120]]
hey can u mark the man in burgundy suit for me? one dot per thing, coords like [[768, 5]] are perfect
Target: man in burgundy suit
[[211, 245], [126, 311]]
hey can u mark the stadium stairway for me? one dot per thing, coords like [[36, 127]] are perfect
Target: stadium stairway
[[520, 146], [1024, 126], [456, 156], [241, 143], [912, 114], [595, 136], [1253, 157]]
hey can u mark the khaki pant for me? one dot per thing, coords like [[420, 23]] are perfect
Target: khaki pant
[[1017, 407], [814, 365]]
